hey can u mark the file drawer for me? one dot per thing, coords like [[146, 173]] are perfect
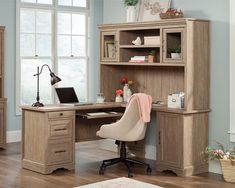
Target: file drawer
[[61, 114], [61, 128], [61, 152]]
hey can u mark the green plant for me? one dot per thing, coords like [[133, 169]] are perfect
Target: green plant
[[152, 52], [130, 2], [175, 50]]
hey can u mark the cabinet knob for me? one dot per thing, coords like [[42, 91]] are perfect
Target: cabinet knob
[[61, 114]]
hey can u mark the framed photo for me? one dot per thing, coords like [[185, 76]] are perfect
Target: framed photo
[[109, 49], [150, 9]]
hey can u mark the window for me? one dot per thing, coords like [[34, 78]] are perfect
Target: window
[[232, 69], [53, 32]]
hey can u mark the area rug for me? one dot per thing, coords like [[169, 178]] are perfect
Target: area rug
[[120, 183]]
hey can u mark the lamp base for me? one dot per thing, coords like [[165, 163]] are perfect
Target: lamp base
[[37, 104]]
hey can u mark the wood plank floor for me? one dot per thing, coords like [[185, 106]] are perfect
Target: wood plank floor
[[88, 160]]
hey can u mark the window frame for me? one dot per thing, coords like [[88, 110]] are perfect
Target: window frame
[[54, 8], [232, 69]]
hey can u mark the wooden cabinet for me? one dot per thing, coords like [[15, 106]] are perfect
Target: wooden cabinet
[[109, 46], [2, 99], [181, 134], [189, 73], [173, 42], [181, 142], [48, 140], [2, 123]]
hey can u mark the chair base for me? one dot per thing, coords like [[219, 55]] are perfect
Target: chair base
[[127, 161]]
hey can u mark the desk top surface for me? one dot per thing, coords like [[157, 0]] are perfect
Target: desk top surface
[[106, 105], [59, 107]]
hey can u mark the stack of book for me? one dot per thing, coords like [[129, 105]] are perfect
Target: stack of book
[[139, 59]]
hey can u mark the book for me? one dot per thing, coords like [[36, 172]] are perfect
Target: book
[[137, 61]]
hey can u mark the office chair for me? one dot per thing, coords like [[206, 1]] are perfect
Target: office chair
[[130, 128]]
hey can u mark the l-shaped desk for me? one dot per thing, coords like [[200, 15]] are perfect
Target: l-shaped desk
[[49, 134]]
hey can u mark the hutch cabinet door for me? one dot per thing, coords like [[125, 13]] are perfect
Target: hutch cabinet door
[[109, 48], [169, 139], [173, 45]]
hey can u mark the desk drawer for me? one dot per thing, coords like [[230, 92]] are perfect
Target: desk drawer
[[61, 152], [61, 128], [61, 114]]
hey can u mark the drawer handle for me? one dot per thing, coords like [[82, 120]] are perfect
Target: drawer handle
[[62, 129], [60, 151], [61, 114]]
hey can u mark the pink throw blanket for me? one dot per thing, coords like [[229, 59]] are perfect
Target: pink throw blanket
[[145, 104]]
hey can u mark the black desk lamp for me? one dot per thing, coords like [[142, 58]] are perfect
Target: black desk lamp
[[54, 80]]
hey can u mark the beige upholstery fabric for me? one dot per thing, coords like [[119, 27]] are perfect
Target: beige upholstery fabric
[[129, 128]]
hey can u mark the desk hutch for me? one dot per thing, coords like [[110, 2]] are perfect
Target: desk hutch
[[2, 99], [182, 135], [48, 133]]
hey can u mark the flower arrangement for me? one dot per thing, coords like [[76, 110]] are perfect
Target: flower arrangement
[[125, 80], [220, 153], [119, 92], [227, 161]]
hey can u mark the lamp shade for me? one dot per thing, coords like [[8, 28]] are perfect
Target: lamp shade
[[54, 78]]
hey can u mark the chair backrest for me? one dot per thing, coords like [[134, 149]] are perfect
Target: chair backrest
[[132, 126]]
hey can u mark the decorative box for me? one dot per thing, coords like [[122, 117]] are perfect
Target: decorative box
[[152, 40], [176, 100]]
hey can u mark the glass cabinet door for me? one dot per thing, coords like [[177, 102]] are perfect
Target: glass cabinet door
[[109, 49], [173, 45]]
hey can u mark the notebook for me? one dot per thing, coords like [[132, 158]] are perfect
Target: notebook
[[67, 95]]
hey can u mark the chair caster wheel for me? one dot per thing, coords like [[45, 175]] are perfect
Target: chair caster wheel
[[149, 170], [101, 171]]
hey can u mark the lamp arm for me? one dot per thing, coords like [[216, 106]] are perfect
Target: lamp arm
[[42, 68]]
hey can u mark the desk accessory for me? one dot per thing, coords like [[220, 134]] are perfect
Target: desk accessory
[[54, 80], [100, 98]]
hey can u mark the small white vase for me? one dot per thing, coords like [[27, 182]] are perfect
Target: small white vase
[[125, 88], [131, 14], [128, 95], [118, 98], [175, 55]]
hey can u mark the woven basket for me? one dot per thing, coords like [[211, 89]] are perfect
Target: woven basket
[[228, 169], [171, 15]]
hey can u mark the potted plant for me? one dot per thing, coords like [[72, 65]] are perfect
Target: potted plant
[[152, 56], [226, 158], [175, 52], [131, 10]]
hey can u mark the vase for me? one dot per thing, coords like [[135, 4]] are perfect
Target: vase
[[128, 95], [118, 98], [175, 55], [131, 14], [125, 88]]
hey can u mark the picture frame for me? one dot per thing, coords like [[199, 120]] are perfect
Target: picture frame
[[109, 49], [150, 9]]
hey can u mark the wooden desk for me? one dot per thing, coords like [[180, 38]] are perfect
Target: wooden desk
[[49, 134]]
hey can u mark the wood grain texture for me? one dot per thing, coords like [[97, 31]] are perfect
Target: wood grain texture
[[48, 140], [198, 65], [88, 160], [2, 123], [2, 99], [181, 143]]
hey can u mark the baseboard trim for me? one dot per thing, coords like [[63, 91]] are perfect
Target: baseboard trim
[[13, 136]]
